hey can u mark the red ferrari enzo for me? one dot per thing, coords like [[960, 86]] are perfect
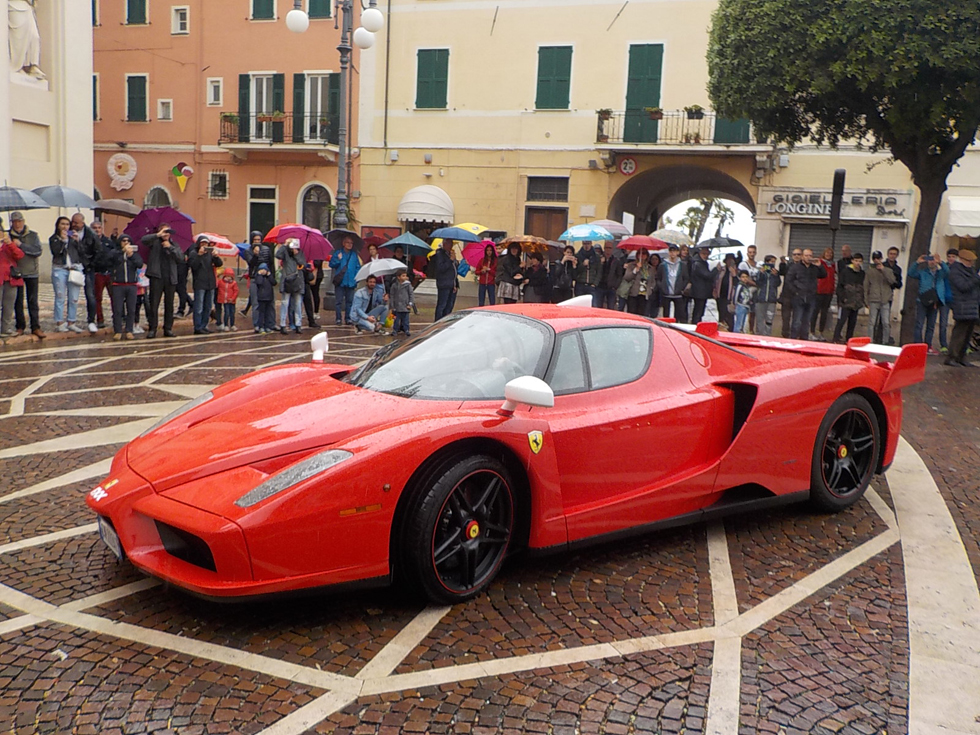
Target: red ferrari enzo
[[519, 427]]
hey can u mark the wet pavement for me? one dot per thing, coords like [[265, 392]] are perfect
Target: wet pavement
[[787, 621]]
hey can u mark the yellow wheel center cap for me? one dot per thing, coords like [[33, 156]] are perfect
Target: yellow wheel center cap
[[842, 452], [472, 530]]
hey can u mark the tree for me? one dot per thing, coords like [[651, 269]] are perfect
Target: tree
[[902, 76], [696, 217]]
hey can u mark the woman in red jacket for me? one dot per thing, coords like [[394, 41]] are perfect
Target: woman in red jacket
[[10, 280], [486, 272], [825, 295]]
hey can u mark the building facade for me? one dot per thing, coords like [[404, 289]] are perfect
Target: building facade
[[215, 108], [45, 102]]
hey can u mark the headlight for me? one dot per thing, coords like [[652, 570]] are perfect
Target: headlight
[[199, 401], [291, 476]]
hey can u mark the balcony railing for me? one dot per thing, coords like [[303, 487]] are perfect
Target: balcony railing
[[671, 127], [270, 128]]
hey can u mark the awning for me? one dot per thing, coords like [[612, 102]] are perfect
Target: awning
[[964, 217], [426, 204]]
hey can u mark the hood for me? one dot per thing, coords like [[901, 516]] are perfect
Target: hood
[[252, 423]]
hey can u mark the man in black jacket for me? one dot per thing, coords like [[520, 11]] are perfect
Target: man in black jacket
[[965, 285], [161, 270], [201, 262], [447, 278], [89, 246], [702, 283], [802, 277], [788, 295], [102, 264]]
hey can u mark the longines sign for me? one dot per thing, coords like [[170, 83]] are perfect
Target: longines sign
[[817, 204]]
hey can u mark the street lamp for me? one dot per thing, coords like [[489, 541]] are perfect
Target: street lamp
[[372, 21]]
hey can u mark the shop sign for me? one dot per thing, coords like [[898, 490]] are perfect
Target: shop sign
[[818, 204]]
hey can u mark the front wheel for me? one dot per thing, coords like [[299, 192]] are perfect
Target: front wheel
[[846, 453], [457, 536]]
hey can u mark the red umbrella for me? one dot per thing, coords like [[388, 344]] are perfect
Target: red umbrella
[[312, 243], [643, 242]]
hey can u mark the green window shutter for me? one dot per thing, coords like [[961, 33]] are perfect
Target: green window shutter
[[554, 77], [299, 107], [136, 12], [263, 9], [244, 107], [278, 105], [319, 9], [333, 105], [136, 99], [433, 78]]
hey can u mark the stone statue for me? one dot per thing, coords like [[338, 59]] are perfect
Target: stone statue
[[25, 39]]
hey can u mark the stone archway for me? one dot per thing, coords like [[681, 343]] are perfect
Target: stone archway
[[649, 194]]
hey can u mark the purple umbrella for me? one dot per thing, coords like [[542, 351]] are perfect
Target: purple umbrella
[[312, 243], [149, 220]]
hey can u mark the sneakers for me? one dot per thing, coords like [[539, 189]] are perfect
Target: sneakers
[[232, 328], [944, 350], [222, 328], [137, 329], [75, 328], [931, 352], [92, 328], [63, 327], [258, 330], [101, 325]]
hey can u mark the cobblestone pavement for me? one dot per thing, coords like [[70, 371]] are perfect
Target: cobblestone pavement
[[787, 621]]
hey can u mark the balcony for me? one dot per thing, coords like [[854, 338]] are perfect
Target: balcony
[[289, 130], [673, 128]]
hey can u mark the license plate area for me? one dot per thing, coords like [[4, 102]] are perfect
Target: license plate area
[[110, 538]]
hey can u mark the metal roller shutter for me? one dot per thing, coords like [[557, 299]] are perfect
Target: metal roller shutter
[[818, 237]]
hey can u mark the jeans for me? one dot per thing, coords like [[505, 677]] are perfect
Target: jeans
[[487, 291], [123, 296], [821, 312], [8, 295], [925, 316], [266, 311], [229, 314], [943, 323], [445, 301], [765, 313], [30, 288], [680, 308], [344, 300], [253, 299], [380, 313], [160, 289], [291, 306], [584, 289], [802, 311], [741, 313], [103, 283], [849, 316], [402, 321], [605, 298], [90, 296], [202, 308], [64, 290], [882, 312]]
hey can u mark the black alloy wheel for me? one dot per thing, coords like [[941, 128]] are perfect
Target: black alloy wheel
[[846, 453]]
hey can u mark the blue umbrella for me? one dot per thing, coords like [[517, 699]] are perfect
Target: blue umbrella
[[413, 245], [454, 233], [580, 233]]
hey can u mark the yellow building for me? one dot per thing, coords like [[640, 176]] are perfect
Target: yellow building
[[533, 115]]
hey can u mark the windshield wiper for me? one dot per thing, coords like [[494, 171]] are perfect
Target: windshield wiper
[[407, 391]]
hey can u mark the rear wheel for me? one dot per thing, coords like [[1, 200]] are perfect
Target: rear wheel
[[846, 453], [457, 536]]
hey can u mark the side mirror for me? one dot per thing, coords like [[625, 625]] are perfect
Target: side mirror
[[319, 346], [528, 390]]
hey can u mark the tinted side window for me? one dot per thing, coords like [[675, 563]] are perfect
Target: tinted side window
[[568, 371], [617, 355]]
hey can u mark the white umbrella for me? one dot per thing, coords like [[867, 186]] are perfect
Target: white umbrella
[[380, 267]]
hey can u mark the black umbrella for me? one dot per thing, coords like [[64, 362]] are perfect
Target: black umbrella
[[720, 242], [336, 238], [12, 198], [65, 196]]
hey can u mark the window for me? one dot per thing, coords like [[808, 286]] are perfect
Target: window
[[316, 208], [322, 103], [136, 14], [216, 95], [95, 97], [554, 77], [263, 9], [547, 188], [433, 78], [318, 8], [218, 185], [157, 197], [95, 13], [568, 372], [617, 355], [180, 20], [136, 97], [165, 110]]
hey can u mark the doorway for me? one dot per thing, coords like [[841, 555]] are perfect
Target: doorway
[[261, 208]]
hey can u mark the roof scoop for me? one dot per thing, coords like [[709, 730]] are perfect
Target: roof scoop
[[319, 346], [583, 300]]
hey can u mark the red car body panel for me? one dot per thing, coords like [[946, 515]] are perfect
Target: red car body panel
[[702, 420]]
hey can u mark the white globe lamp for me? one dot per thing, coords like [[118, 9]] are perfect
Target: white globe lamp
[[297, 21], [363, 38], [373, 20]]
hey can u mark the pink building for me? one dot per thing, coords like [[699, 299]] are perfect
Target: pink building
[[221, 91]]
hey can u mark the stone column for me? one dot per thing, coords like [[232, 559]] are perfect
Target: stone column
[[5, 123]]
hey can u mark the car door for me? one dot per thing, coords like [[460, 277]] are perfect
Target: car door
[[628, 426]]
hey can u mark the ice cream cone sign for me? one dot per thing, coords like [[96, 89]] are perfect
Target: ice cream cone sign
[[182, 172]]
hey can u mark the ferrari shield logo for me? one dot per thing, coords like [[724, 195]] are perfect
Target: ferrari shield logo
[[536, 440]]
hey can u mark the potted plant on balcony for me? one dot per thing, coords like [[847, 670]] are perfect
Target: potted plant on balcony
[[655, 113], [694, 112], [263, 117], [229, 117], [604, 113]]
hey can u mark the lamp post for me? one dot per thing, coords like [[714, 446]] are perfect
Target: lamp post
[[372, 21]]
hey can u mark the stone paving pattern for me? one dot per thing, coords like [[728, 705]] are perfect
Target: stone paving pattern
[[32, 469], [47, 512], [29, 429]]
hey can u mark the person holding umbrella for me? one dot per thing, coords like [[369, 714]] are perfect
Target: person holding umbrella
[[344, 265], [447, 278], [638, 283], [486, 271], [162, 272]]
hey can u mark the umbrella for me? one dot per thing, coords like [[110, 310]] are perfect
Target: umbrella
[[375, 240], [720, 242], [581, 233], [117, 206], [336, 238], [528, 243], [65, 196], [12, 198], [643, 242], [473, 251], [149, 220], [674, 237], [312, 243], [223, 247], [453, 233], [413, 245], [380, 267], [618, 229]]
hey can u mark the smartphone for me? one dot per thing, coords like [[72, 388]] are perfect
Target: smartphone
[[930, 258]]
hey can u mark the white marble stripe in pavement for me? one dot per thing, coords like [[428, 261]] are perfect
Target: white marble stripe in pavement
[[83, 439], [726, 664], [116, 593], [89, 472], [19, 623], [943, 604], [48, 538]]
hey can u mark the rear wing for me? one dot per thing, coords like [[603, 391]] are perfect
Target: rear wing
[[906, 365]]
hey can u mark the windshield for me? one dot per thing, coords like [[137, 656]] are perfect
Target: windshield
[[466, 356]]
